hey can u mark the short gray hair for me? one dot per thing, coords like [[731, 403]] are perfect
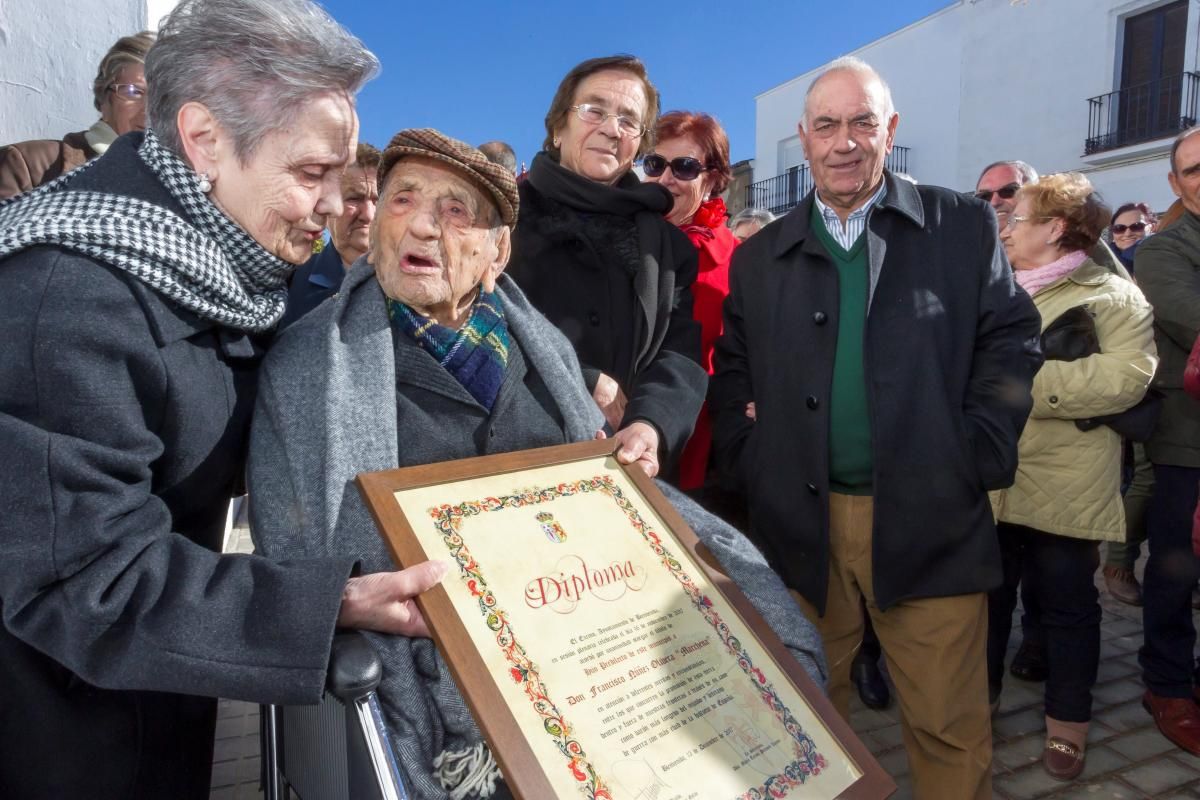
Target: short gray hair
[[1180, 139], [1028, 174], [759, 215], [255, 64], [500, 153], [862, 68]]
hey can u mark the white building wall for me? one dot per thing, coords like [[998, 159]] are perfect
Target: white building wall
[[920, 63], [984, 80], [49, 51]]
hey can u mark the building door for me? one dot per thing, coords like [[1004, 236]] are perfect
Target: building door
[[1152, 79]]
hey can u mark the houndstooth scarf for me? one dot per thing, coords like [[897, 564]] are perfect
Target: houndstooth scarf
[[204, 262]]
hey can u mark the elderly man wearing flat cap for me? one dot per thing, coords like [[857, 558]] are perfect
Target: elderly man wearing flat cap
[[429, 353]]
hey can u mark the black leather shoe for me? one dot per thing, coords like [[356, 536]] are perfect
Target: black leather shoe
[[872, 688], [1030, 663]]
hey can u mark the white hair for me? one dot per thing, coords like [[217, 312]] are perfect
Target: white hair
[[864, 70], [760, 215], [254, 64]]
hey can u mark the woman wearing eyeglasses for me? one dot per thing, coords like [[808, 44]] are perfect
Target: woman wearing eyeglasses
[[595, 253], [1066, 498], [119, 93], [691, 160]]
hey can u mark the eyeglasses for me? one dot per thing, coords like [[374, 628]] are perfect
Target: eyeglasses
[[1013, 219], [685, 168], [129, 91], [595, 115], [1005, 192], [1135, 227]]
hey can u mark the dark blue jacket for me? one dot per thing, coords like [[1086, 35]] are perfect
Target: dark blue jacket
[[315, 280]]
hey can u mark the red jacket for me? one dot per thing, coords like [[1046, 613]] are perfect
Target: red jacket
[[715, 244], [1191, 371]]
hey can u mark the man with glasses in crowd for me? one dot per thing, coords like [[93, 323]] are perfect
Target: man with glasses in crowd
[[998, 185], [119, 95]]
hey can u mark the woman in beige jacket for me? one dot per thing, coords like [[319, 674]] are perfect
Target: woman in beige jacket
[[1066, 498]]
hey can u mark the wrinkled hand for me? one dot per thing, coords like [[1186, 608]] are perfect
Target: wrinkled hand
[[610, 399], [383, 601], [751, 412], [639, 444]]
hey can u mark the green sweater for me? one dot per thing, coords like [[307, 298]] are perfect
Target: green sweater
[[849, 418]]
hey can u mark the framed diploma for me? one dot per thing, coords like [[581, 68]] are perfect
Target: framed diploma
[[601, 655]]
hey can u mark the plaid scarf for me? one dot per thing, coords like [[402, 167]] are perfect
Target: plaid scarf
[[203, 261], [475, 355]]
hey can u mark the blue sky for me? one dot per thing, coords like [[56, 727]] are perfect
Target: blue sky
[[488, 70]]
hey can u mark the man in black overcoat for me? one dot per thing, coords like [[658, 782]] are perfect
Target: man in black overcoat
[[889, 356]]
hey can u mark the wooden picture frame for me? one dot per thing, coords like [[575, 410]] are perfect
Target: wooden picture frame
[[496, 665]]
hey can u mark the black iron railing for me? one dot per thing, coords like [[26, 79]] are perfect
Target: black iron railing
[[1142, 113], [784, 192]]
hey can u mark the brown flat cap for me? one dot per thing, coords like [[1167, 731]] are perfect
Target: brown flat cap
[[497, 181]]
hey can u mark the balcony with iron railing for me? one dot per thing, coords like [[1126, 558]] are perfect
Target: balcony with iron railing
[[784, 192], [1142, 112]]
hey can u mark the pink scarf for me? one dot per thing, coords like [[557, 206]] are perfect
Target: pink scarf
[[1034, 280]]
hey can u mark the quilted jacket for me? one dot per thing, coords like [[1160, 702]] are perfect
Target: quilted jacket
[[1069, 481]]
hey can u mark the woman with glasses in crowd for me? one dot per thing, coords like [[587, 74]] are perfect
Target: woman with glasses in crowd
[[119, 94], [1066, 498], [595, 253], [691, 160]]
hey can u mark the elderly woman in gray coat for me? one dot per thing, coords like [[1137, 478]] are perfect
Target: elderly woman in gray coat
[[134, 295], [430, 353]]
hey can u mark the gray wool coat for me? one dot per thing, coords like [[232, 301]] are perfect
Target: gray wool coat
[[338, 393]]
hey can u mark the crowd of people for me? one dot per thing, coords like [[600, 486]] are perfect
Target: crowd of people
[[887, 414]]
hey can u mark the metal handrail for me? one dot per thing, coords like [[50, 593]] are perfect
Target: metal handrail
[[784, 192], [1142, 112]]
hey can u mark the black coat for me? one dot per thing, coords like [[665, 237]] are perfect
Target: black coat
[[951, 348], [123, 422], [595, 304]]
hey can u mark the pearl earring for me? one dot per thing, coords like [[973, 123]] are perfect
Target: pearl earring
[[557, 141], [205, 183]]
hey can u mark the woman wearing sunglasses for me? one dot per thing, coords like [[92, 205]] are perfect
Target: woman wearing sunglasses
[[691, 160], [594, 253], [1131, 223]]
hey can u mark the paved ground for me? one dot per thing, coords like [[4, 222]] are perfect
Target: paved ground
[[1127, 757]]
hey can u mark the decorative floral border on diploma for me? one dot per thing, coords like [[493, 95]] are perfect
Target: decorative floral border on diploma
[[448, 520]]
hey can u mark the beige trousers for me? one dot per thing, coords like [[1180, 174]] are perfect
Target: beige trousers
[[936, 654]]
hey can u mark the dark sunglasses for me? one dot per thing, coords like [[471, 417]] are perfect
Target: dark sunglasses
[[1136, 227], [685, 168], [1005, 192]]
